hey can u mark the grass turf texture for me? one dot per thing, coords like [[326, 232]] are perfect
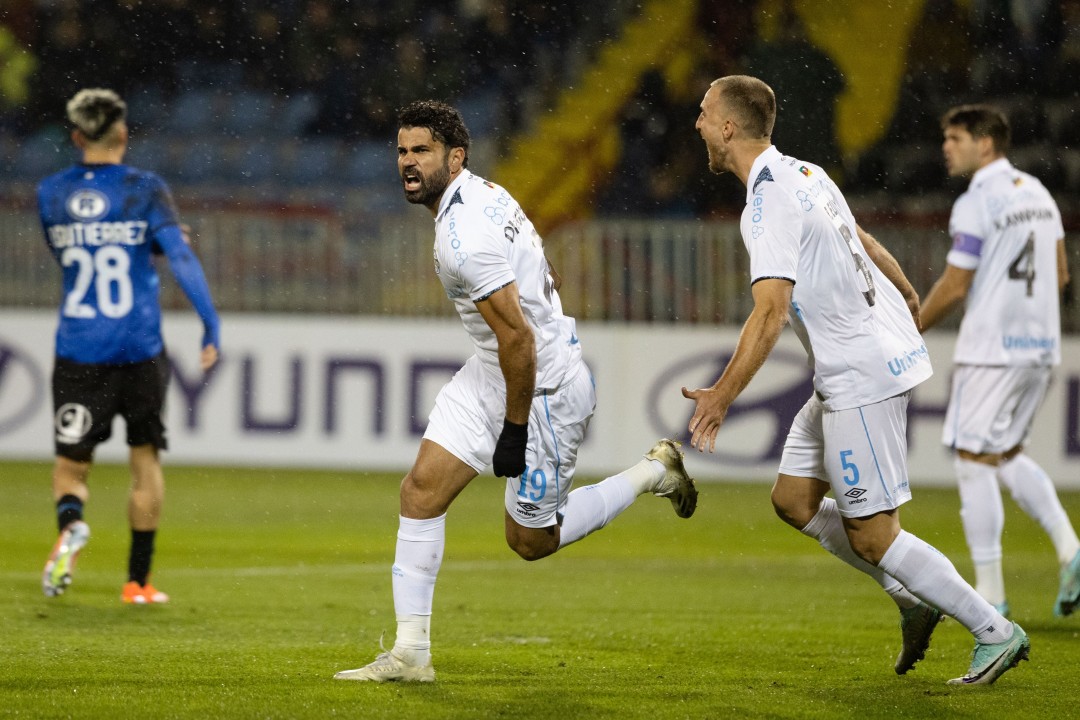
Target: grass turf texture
[[280, 578]]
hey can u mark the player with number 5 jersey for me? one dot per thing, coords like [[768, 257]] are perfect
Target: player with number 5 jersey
[[859, 335], [103, 222], [857, 315]]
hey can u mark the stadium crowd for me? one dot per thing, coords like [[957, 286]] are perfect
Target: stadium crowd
[[334, 72], [363, 60]]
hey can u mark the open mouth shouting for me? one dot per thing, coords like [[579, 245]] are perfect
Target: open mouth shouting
[[412, 181]]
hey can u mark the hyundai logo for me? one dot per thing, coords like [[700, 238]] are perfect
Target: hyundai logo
[[756, 424], [22, 387]]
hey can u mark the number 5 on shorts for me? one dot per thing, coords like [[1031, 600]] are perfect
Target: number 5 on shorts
[[845, 462]]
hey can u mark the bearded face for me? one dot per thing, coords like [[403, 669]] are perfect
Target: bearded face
[[424, 166]]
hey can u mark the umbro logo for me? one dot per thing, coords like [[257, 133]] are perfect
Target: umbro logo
[[528, 507], [855, 492]]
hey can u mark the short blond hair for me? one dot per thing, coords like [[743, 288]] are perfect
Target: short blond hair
[[752, 101]]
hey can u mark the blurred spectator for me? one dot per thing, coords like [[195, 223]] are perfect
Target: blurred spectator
[[729, 33], [502, 68], [935, 72], [312, 44], [343, 102], [645, 131], [61, 54], [807, 83], [1016, 41], [1065, 66], [267, 64], [660, 174]]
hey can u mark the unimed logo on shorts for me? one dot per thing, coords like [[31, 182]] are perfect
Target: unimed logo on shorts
[[72, 422]]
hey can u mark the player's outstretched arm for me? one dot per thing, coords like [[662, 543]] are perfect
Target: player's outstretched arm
[[772, 298], [891, 269]]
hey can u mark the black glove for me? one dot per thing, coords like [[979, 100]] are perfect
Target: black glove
[[509, 458]]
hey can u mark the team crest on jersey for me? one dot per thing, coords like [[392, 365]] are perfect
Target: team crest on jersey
[[805, 171], [490, 185], [87, 205]]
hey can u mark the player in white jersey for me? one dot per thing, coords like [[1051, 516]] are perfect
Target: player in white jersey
[[857, 315], [1008, 264], [521, 403]]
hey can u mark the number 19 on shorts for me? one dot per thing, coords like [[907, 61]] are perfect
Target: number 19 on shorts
[[533, 485]]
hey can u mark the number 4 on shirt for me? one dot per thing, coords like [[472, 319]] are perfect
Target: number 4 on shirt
[[1023, 266]]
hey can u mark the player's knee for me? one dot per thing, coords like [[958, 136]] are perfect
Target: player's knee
[[531, 545], [789, 509], [867, 549], [420, 499], [529, 552]]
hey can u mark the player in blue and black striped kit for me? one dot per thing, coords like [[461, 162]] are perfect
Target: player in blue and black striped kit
[[103, 222]]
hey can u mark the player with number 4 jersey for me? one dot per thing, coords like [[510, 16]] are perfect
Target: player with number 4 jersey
[[1007, 266], [104, 221]]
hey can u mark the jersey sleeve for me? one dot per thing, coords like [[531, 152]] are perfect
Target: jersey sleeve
[[161, 212], [190, 277], [966, 232], [774, 235], [488, 266]]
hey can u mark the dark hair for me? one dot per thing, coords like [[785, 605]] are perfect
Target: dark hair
[[981, 121], [444, 122], [752, 101]]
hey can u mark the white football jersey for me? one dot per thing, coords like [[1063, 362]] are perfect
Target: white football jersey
[[855, 325], [1006, 228], [484, 242]]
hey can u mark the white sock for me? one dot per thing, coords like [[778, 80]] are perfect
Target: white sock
[[983, 517], [645, 475], [1034, 492], [932, 578], [419, 553], [827, 528], [591, 507]]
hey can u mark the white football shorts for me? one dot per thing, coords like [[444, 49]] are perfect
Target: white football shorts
[[861, 453], [991, 407], [468, 418]]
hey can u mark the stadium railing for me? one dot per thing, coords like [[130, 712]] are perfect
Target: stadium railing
[[317, 258]]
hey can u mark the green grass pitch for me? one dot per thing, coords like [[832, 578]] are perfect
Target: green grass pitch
[[279, 578]]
